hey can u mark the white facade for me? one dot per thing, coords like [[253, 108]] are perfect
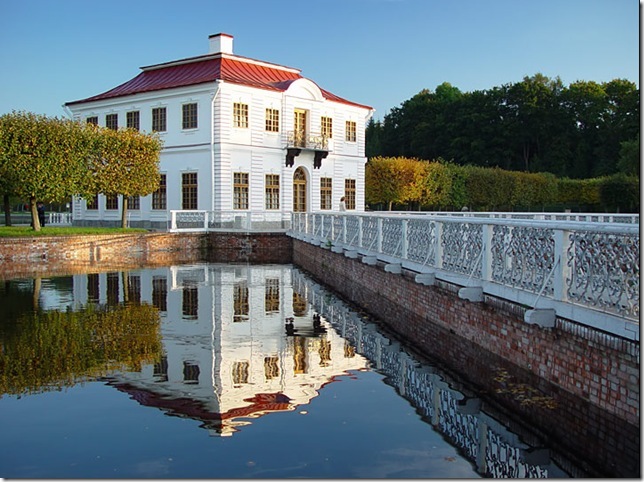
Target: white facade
[[226, 142]]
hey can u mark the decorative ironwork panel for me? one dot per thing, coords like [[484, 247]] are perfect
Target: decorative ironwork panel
[[462, 245], [189, 219], [352, 230], [311, 220], [369, 233], [392, 236], [326, 226], [421, 241], [604, 271], [523, 257], [338, 228]]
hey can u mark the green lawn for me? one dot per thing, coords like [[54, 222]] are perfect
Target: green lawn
[[22, 231]]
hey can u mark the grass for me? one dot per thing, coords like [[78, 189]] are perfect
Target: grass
[[23, 231]]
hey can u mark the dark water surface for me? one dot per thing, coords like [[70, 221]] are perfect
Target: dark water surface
[[236, 371]]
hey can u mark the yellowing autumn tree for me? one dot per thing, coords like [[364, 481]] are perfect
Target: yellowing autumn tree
[[392, 180]]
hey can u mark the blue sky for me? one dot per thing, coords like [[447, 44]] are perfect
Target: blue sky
[[375, 52]]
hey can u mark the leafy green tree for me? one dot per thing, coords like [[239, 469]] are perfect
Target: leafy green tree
[[629, 157], [41, 159], [373, 143], [124, 162]]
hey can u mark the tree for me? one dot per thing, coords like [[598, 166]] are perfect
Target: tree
[[124, 162], [50, 159], [41, 159], [393, 180]]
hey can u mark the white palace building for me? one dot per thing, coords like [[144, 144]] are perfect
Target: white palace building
[[239, 135]]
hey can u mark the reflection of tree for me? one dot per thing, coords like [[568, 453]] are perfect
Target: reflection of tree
[[53, 349]]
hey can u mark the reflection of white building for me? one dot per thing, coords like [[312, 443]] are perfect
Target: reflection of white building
[[239, 134], [238, 340]]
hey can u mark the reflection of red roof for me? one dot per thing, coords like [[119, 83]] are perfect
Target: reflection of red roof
[[186, 407], [199, 70]]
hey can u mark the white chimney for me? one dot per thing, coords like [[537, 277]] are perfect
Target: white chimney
[[221, 43]]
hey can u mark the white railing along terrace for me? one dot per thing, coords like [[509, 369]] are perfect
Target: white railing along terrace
[[199, 220], [584, 271]]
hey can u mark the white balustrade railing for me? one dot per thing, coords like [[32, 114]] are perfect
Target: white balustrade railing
[[199, 220], [58, 219], [542, 262]]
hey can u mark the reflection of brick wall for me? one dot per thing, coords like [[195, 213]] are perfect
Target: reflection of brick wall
[[40, 256], [597, 367]]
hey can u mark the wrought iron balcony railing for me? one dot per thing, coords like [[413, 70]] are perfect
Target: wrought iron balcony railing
[[301, 140]]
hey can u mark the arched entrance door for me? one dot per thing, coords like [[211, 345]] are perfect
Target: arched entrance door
[[299, 191]]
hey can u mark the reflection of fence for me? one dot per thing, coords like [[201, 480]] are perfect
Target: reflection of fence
[[194, 221], [492, 447], [584, 271]]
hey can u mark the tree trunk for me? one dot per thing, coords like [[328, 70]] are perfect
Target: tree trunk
[[124, 213], [35, 221], [7, 210]]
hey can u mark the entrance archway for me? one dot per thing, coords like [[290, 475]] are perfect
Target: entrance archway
[[299, 190]]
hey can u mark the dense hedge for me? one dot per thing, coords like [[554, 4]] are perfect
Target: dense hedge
[[447, 186]]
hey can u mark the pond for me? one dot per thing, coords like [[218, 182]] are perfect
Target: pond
[[234, 371]]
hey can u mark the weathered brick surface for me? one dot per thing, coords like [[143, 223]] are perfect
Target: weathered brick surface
[[597, 367], [40, 256]]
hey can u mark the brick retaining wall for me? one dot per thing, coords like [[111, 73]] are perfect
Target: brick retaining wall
[[598, 367], [64, 255]]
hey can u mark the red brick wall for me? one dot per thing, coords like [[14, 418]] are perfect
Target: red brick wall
[[33, 256], [600, 368]]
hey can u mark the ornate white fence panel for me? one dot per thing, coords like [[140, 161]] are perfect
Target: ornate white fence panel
[[198, 220], [586, 271]]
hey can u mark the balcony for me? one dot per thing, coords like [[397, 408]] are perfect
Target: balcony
[[298, 141]]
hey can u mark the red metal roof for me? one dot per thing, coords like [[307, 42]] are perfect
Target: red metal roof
[[198, 70]]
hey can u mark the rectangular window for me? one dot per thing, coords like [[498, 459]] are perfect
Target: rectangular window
[[92, 120], [190, 373], [132, 120], [92, 288], [159, 199], [271, 367], [160, 371], [350, 131], [272, 296], [112, 289], [272, 120], [189, 190], [134, 288], [240, 302], [326, 200], [159, 119], [272, 191], [240, 115], [240, 186], [326, 125], [134, 203], [190, 305], [160, 293], [350, 193], [189, 116], [112, 121], [92, 204], [112, 202], [241, 372]]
